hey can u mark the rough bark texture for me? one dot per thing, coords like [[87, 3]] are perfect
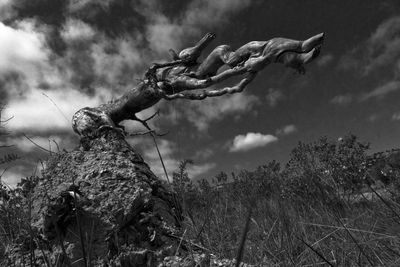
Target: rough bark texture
[[126, 215]]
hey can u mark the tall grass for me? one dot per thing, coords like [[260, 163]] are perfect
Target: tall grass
[[296, 216], [285, 231]]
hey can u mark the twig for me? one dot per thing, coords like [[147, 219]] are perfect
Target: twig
[[42, 148], [240, 252], [161, 159], [349, 229], [383, 200], [180, 243], [79, 225], [90, 243], [211, 93], [147, 132], [356, 242], [188, 241], [61, 240], [58, 148], [62, 113], [6, 120], [43, 254], [315, 251]]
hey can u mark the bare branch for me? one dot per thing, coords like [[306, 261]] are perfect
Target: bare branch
[[212, 93], [6, 120], [175, 80], [183, 82]]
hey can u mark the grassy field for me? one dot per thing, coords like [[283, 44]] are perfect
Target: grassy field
[[325, 207]]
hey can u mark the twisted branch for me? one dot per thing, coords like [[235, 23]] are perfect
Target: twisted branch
[[211, 93]]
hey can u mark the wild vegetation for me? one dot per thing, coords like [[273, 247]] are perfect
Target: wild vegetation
[[332, 204]]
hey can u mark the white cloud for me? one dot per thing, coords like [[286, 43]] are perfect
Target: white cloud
[[12, 175], [23, 50], [12, 178], [251, 141], [75, 29], [381, 91], [342, 99], [288, 129], [274, 96], [34, 112]]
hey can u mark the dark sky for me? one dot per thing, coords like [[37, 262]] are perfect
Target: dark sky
[[59, 56]]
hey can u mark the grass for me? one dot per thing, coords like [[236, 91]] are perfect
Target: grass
[[292, 232], [266, 217]]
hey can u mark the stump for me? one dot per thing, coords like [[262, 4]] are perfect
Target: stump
[[102, 203]]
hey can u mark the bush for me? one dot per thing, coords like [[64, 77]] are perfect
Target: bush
[[326, 170]]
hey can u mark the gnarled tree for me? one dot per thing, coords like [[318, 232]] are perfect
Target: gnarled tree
[[178, 78], [101, 204]]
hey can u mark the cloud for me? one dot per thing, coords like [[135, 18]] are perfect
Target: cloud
[[77, 30], [6, 9], [21, 45], [195, 171], [324, 60], [288, 129], [82, 54], [381, 50], [210, 12], [242, 143], [274, 96], [23, 57], [202, 113], [12, 178], [203, 154], [381, 91], [383, 46], [342, 99], [350, 61], [396, 116], [167, 150], [52, 142], [379, 54], [33, 112], [164, 32], [373, 117]]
